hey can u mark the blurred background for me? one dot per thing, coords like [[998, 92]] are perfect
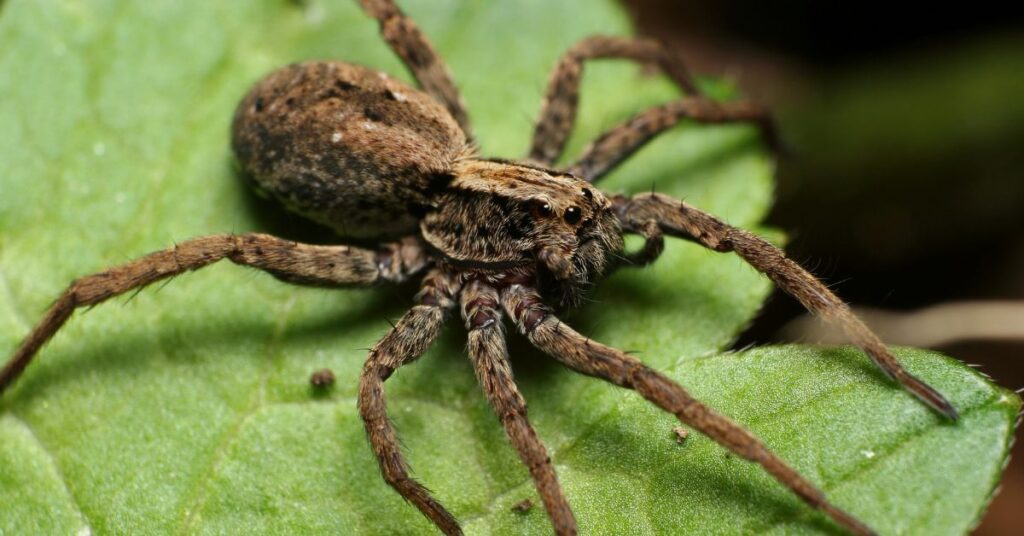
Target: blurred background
[[903, 186]]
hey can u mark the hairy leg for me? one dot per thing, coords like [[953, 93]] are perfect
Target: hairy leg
[[622, 140], [573, 350], [427, 67], [406, 342], [290, 261], [482, 314], [680, 219], [561, 100], [654, 244]]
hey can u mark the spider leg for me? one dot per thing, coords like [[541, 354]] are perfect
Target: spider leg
[[293, 262], [558, 111], [677, 218], [573, 350], [654, 244], [482, 314], [622, 140], [404, 343], [415, 50]]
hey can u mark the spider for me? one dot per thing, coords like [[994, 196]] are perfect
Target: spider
[[381, 162]]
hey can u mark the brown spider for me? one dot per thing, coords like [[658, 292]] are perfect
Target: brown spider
[[376, 160]]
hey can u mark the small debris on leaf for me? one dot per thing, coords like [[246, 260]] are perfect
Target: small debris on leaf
[[522, 506], [322, 379]]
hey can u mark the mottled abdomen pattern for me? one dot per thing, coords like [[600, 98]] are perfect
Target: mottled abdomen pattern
[[346, 146]]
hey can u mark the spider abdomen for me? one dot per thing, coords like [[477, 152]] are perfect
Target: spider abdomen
[[346, 146]]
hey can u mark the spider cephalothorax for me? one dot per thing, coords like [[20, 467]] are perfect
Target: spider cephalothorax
[[377, 160], [498, 215]]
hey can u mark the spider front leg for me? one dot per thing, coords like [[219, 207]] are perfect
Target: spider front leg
[[415, 50], [573, 350], [290, 261], [624, 139], [403, 344], [561, 100], [482, 314], [679, 219]]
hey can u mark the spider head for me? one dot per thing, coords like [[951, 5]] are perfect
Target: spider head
[[499, 215], [577, 235]]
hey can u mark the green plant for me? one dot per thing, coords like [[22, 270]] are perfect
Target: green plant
[[187, 410]]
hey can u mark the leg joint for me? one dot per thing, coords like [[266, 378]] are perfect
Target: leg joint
[[480, 305], [375, 368], [481, 311], [530, 315]]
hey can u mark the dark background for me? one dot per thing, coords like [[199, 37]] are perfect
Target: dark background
[[904, 183]]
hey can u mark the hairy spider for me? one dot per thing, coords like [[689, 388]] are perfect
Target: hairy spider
[[376, 160]]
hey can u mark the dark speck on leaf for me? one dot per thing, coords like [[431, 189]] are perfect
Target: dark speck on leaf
[[522, 506], [322, 379]]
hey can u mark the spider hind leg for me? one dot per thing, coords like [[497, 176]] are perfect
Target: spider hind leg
[[415, 50], [561, 99], [618, 143]]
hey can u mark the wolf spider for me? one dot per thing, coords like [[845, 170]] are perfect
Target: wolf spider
[[374, 159]]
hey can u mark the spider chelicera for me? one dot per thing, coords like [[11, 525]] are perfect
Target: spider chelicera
[[377, 160]]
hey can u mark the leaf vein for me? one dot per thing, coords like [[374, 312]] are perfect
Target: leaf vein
[[52, 461], [862, 469], [197, 498]]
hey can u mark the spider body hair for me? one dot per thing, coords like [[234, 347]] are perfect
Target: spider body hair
[[373, 158]]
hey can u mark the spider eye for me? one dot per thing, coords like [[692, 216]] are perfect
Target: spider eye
[[573, 215], [542, 209]]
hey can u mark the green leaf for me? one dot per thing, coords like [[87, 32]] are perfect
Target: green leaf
[[187, 410]]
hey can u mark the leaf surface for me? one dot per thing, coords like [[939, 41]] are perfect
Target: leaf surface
[[187, 409]]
